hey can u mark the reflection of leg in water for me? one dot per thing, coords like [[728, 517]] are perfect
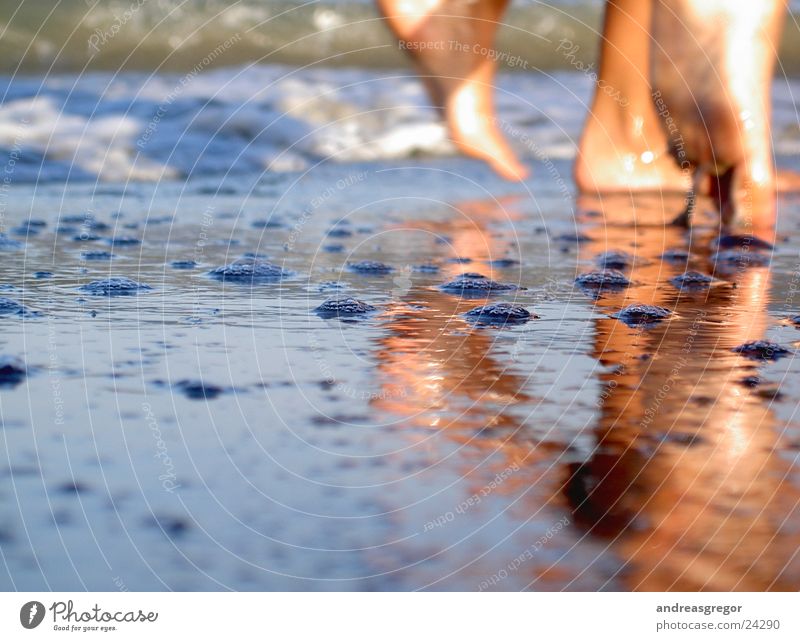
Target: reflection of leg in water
[[436, 370], [686, 481], [451, 43], [446, 385]]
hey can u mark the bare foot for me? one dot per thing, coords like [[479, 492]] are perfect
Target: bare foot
[[624, 146], [450, 41], [712, 68], [611, 162]]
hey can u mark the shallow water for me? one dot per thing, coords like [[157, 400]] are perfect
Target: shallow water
[[217, 435], [241, 121]]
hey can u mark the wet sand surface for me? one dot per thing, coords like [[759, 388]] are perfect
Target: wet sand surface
[[216, 430]]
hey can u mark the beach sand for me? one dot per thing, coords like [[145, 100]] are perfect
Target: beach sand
[[210, 434]]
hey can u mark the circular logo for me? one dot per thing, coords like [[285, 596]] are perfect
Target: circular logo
[[31, 614]]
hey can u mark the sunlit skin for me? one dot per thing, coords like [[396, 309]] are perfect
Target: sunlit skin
[[624, 144], [433, 364], [686, 485], [712, 68], [689, 111], [686, 482], [460, 79], [440, 375]]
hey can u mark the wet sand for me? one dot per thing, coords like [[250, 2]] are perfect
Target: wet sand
[[212, 433]]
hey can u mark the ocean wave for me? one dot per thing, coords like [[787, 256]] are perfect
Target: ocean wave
[[134, 126], [252, 119]]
